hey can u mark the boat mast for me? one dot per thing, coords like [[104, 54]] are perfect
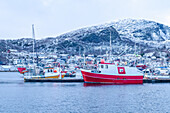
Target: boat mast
[[135, 47], [7, 57], [33, 36], [79, 50], [110, 46], [84, 56]]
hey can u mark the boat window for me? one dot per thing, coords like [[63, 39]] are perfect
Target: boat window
[[101, 66], [48, 70], [51, 70], [106, 66]]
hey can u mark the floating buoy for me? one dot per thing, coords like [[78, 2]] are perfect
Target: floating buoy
[[102, 61], [63, 75], [55, 71], [125, 63]]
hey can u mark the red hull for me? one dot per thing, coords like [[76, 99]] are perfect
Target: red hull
[[20, 69], [111, 79]]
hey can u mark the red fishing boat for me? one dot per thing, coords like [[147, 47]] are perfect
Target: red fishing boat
[[112, 74], [21, 70], [141, 66]]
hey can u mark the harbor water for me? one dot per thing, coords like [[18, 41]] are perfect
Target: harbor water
[[17, 96]]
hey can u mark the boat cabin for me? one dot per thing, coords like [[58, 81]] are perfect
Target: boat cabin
[[111, 68]]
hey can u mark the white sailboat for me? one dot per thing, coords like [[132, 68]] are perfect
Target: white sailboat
[[37, 72]]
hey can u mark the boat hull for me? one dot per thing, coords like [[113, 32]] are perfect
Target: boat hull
[[111, 79], [41, 77], [21, 70]]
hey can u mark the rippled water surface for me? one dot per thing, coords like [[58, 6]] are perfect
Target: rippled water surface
[[17, 96]]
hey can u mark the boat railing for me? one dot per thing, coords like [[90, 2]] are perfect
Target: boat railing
[[34, 72]]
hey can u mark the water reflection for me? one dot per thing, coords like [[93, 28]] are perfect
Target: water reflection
[[102, 84], [95, 84]]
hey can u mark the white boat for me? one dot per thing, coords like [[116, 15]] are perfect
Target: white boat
[[47, 73], [156, 73], [1, 69], [8, 68]]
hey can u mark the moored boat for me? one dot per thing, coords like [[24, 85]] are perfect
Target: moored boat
[[47, 72], [111, 73], [7, 68], [39, 73], [21, 70], [141, 66]]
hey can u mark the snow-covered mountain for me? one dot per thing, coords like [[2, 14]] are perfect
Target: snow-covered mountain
[[147, 35], [143, 31]]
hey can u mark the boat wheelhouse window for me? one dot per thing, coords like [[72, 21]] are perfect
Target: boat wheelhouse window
[[106, 66], [101, 66]]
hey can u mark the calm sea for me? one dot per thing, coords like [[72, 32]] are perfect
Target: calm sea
[[19, 97]]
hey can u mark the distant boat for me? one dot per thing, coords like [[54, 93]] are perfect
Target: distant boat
[[38, 72], [157, 73], [112, 74], [21, 70], [8, 68], [141, 66]]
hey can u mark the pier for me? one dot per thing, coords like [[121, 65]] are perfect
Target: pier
[[156, 80], [81, 80], [9, 71], [53, 80]]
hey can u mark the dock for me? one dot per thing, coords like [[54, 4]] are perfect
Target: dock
[[9, 71], [54, 80], [156, 80], [82, 80]]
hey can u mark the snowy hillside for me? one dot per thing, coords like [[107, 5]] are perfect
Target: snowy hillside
[[147, 35], [143, 31]]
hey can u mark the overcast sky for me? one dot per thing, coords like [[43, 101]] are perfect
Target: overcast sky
[[55, 17]]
